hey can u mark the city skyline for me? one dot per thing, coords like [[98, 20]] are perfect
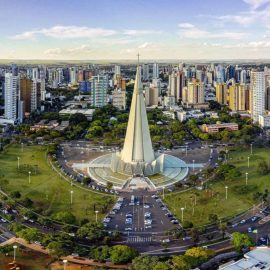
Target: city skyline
[[63, 30]]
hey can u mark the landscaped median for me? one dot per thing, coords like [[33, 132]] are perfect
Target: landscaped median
[[43, 189], [202, 207]]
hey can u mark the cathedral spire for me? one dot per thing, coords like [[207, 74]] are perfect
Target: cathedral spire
[[138, 144]]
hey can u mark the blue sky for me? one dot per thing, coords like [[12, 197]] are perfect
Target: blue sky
[[118, 29]]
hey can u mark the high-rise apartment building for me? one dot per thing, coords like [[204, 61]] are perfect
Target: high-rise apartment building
[[221, 93], [195, 92], [99, 88], [119, 99], [12, 97], [151, 96], [145, 72], [257, 94], [30, 95], [155, 71], [73, 75]]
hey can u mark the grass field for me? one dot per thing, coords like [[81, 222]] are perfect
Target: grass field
[[213, 200], [47, 189]]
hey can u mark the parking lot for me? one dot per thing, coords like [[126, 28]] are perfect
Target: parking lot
[[140, 213]]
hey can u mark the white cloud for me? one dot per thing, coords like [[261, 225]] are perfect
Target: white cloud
[[254, 4], [144, 45], [66, 32], [186, 25], [194, 32], [83, 49], [134, 32]]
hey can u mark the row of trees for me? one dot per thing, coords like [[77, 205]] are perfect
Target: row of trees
[[192, 258]]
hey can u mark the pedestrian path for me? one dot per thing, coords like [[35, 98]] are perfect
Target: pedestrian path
[[139, 239]]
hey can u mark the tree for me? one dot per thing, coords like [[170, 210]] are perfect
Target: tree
[[180, 263], [109, 185], [144, 263], [56, 249], [263, 168], [193, 178], [162, 266], [240, 240], [93, 231], [213, 218], [101, 253], [123, 254], [65, 217], [15, 194], [187, 224], [223, 228], [198, 255], [77, 118], [195, 235], [29, 234]]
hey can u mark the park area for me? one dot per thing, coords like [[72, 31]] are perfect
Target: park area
[[48, 191], [199, 204]]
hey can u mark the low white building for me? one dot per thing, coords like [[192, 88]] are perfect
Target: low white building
[[87, 112], [264, 120], [119, 99], [181, 116], [256, 259]]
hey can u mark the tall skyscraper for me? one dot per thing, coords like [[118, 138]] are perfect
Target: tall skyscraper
[[99, 88], [243, 76], [73, 75], [221, 93], [257, 94], [220, 74], [11, 97], [195, 92], [145, 72], [117, 70], [155, 71], [151, 96], [237, 97], [14, 70]]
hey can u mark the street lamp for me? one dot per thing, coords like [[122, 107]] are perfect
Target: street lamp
[[226, 188], [22, 147], [246, 178], [96, 215], [29, 177], [71, 196], [14, 254], [18, 165], [248, 161], [251, 148], [193, 165], [65, 264], [182, 210]]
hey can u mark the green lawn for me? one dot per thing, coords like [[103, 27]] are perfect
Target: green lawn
[[213, 200], [47, 189]]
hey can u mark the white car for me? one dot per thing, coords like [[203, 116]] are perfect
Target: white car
[[147, 214], [148, 222]]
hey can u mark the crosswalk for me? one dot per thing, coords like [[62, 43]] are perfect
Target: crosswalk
[[139, 239]]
